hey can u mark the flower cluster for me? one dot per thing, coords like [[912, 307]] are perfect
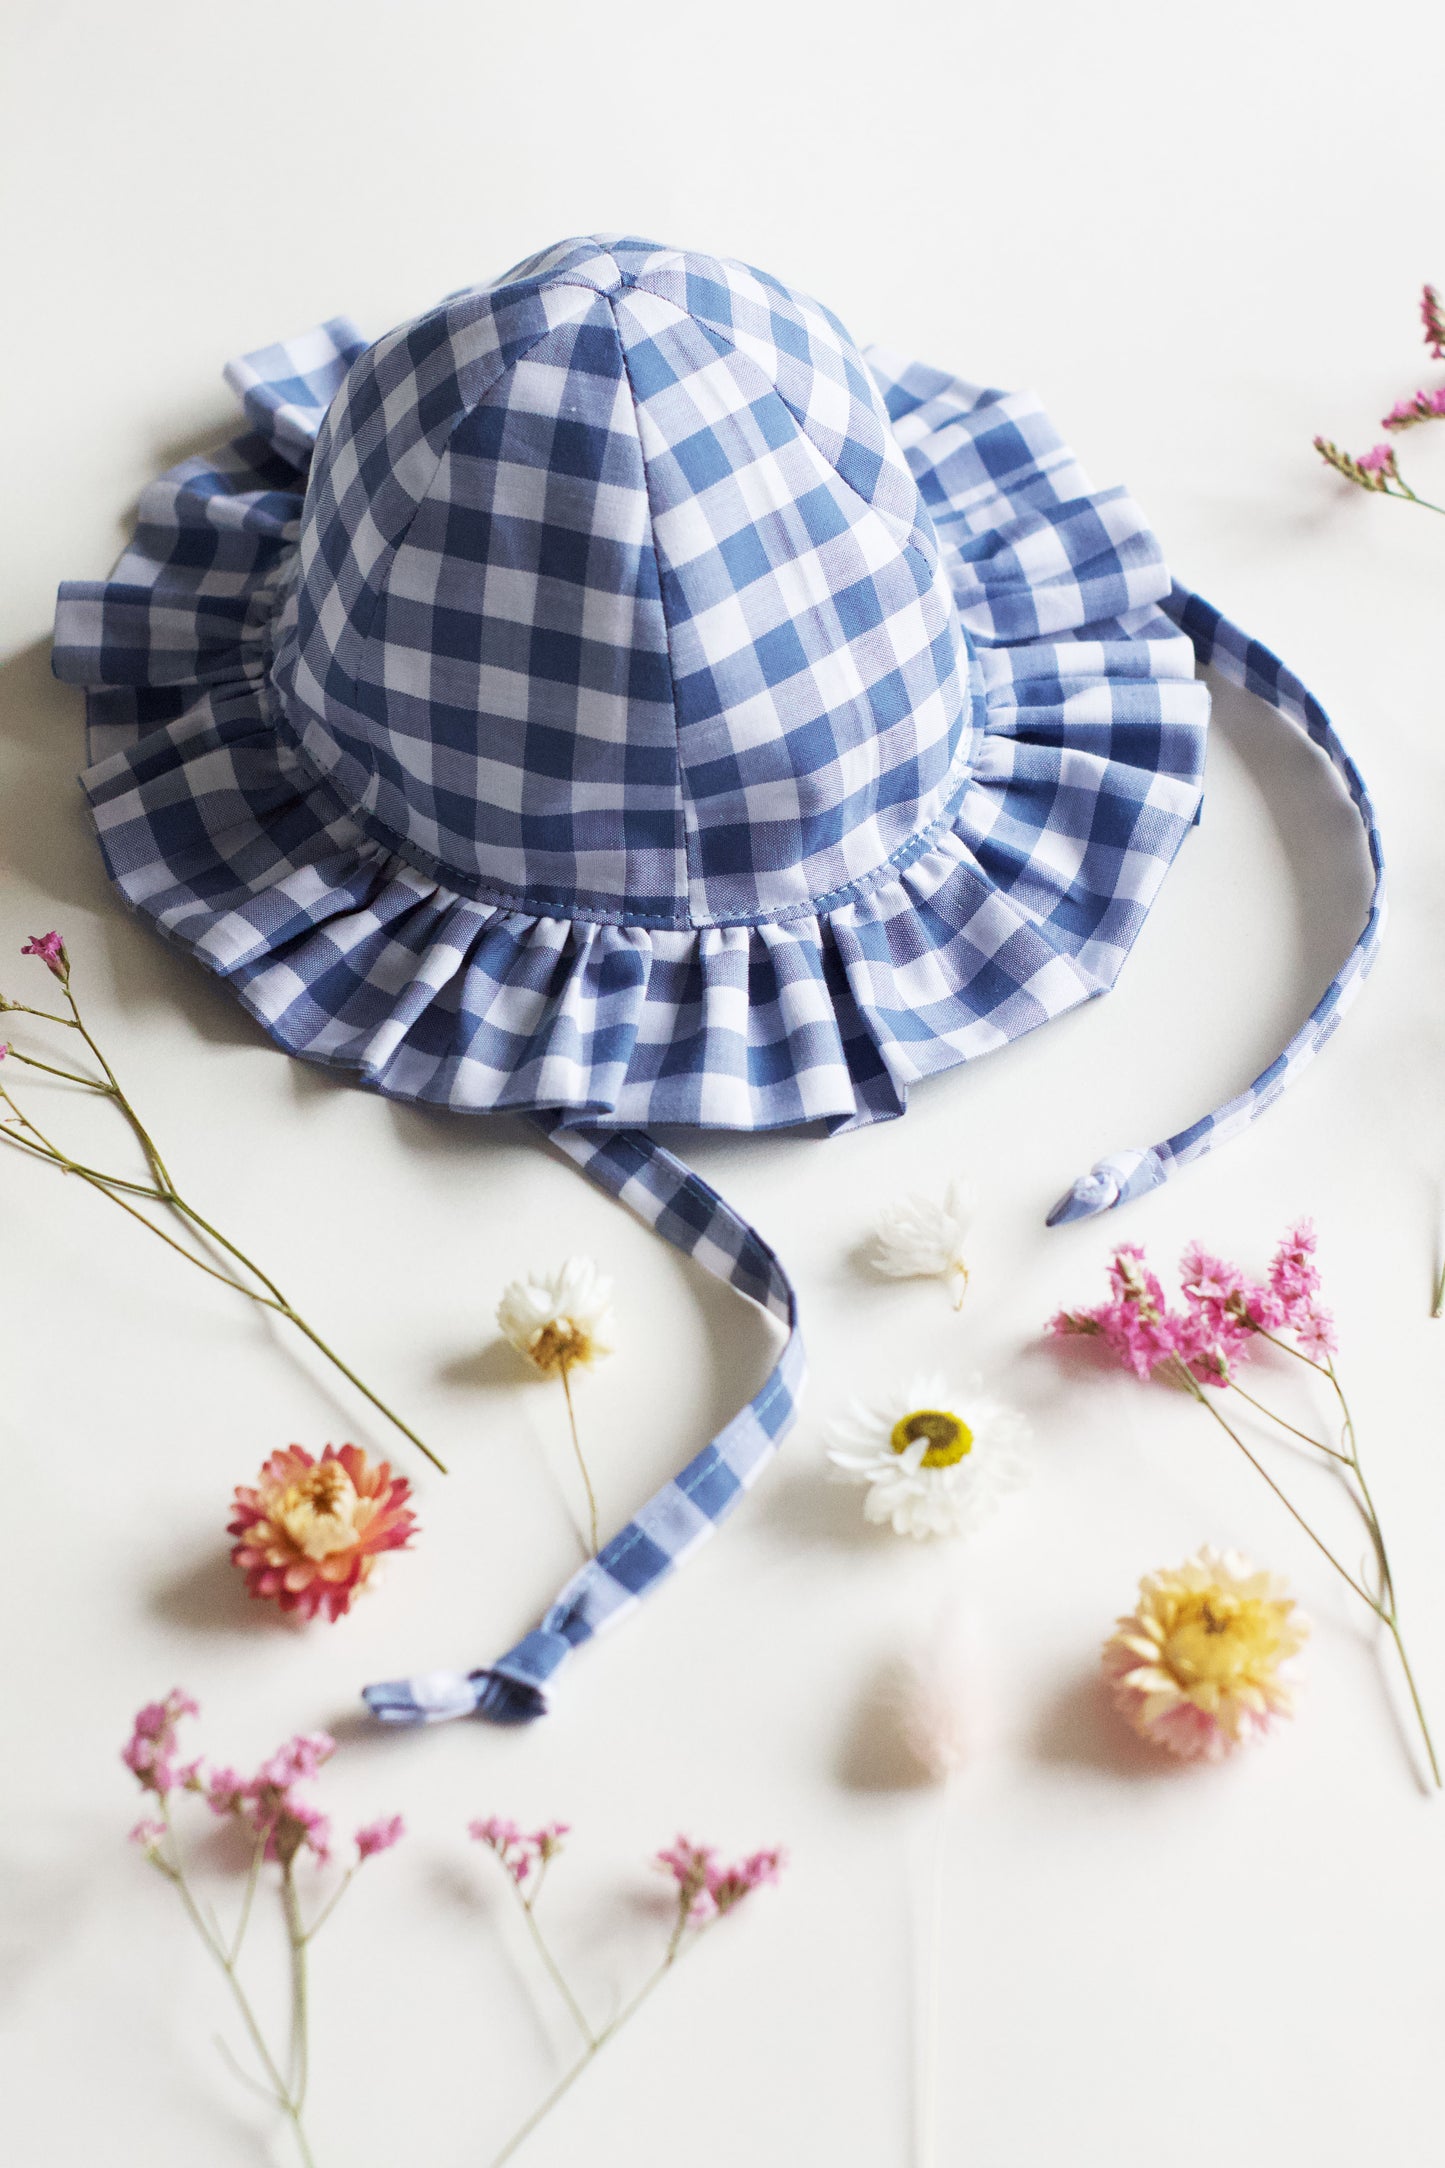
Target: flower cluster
[[1224, 1311], [50, 948], [1378, 469], [521, 1851], [270, 1804], [150, 1751], [1203, 1663], [310, 1532], [705, 1888]]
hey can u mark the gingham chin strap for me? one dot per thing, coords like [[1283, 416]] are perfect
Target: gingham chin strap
[[680, 1205], [1244, 662]]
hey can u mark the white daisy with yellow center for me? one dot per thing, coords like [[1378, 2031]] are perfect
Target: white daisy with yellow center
[[937, 1457]]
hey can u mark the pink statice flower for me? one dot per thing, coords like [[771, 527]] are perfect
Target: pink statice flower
[[706, 1888], [379, 1836], [1379, 459], [150, 1752], [270, 1805], [1421, 406], [1433, 318], [50, 948], [1224, 1311], [148, 1833], [1373, 470], [520, 1850]]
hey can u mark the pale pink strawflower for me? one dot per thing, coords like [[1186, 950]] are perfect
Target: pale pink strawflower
[[379, 1836], [1205, 1661]]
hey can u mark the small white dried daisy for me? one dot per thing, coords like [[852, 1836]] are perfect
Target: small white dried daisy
[[937, 1458], [922, 1238], [559, 1319]]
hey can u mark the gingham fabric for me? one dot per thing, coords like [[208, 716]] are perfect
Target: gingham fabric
[[616, 697], [680, 1205]]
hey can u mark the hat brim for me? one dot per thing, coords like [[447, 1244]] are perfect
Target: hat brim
[[1021, 903]]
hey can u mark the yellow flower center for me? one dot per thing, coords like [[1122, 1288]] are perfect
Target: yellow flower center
[[318, 1511], [1223, 1640], [949, 1437], [564, 1341]]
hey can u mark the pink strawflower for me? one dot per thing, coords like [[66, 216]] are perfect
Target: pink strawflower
[[51, 950], [1421, 406], [706, 1890], [1433, 319], [150, 1752], [311, 1531], [379, 1836]]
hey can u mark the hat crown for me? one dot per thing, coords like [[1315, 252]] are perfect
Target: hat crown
[[617, 598]]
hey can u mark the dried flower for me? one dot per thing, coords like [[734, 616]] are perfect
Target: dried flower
[[51, 950], [283, 1825], [1421, 406], [519, 1850], [559, 1319], [311, 1531], [379, 1836], [706, 1890], [937, 1459], [1203, 1663], [921, 1238], [933, 1711], [1434, 322], [1374, 469], [1226, 1314], [150, 1752]]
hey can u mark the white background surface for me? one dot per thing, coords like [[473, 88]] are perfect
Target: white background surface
[[1200, 234]]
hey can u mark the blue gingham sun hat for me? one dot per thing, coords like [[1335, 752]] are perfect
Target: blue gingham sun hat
[[616, 698]]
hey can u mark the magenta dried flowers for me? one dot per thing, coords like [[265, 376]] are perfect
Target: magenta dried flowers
[[225, 1262], [1225, 1318], [706, 1890], [1378, 470], [290, 1844], [561, 1321]]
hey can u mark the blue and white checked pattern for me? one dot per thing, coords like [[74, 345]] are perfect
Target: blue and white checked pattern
[[1126, 1175], [614, 699], [665, 1195], [617, 599]]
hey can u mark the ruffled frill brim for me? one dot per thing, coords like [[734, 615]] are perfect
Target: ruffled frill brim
[[216, 829]]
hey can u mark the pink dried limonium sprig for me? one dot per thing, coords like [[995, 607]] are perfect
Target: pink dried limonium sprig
[[284, 1827], [1378, 470], [1224, 1317], [707, 1890], [309, 1533], [196, 1240]]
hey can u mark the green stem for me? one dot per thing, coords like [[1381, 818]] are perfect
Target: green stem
[[1437, 1306], [577, 1449], [330, 1906], [71, 1076], [1303, 1435], [300, 2012], [675, 1949], [284, 2100], [554, 1970], [1228, 1428]]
